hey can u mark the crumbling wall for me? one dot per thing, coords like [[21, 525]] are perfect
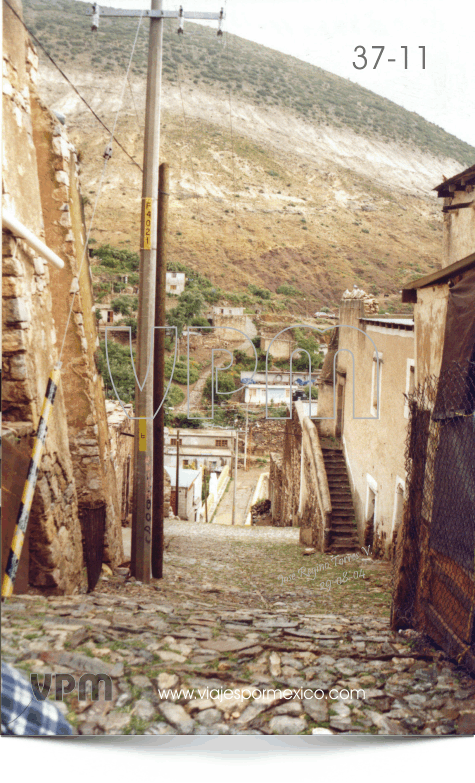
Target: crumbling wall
[[298, 486], [41, 189], [121, 432], [30, 336]]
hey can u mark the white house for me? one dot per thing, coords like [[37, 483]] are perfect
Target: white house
[[213, 448], [189, 492], [175, 283]]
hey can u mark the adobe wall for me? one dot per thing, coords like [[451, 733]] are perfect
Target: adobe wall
[[374, 448], [459, 228]]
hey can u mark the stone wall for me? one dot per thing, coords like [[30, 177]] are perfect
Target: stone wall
[[41, 189], [121, 427], [298, 486]]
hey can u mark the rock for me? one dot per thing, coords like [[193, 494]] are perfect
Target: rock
[[321, 731], [466, 723], [140, 681], [274, 664], [115, 722], [226, 645], [250, 713], [209, 717], [124, 699], [144, 709], [176, 715], [282, 724], [165, 681], [317, 709], [200, 704], [293, 707], [160, 729], [168, 655]]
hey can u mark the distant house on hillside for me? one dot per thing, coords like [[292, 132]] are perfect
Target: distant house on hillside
[[175, 283]]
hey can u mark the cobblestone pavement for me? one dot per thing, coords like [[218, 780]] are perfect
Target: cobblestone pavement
[[242, 610]]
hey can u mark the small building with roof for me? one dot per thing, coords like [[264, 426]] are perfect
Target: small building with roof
[[189, 492]]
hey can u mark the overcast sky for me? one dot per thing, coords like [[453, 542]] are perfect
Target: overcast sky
[[326, 35]]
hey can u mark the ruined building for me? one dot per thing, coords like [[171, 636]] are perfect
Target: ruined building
[[41, 191]]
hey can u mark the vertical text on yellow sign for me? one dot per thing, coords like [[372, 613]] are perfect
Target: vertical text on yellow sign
[[147, 224], [142, 435]]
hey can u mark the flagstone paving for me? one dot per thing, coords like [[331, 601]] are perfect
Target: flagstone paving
[[242, 610]]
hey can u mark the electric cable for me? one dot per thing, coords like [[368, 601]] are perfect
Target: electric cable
[[68, 80], [107, 156]]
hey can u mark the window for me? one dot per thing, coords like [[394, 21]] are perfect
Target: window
[[410, 384], [173, 442], [173, 287], [377, 370], [398, 503], [221, 443], [110, 316], [173, 274], [186, 463]]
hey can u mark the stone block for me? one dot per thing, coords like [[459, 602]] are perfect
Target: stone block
[[16, 311], [18, 368], [13, 287], [13, 341], [62, 177], [306, 536], [12, 266], [16, 392]]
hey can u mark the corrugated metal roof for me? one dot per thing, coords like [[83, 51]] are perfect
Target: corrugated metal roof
[[185, 477], [406, 322]]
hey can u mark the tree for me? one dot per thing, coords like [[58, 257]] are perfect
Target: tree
[[225, 384], [311, 345]]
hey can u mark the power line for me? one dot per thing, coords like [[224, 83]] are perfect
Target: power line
[[107, 155], [71, 84]]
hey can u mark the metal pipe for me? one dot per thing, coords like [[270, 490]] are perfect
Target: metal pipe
[[22, 231]]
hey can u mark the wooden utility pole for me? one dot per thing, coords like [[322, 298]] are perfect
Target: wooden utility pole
[[245, 436], [143, 453], [235, 480], [177, 470], [158, 513], [206, 481]]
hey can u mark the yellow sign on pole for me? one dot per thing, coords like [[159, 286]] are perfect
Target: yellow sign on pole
[[142, 434], [147, 224]]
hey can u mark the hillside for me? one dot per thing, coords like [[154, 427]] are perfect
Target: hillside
[[280, 171]]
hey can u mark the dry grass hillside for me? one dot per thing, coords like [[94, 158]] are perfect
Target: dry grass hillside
[[281, 173]]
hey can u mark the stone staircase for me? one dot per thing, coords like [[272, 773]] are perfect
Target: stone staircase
[[343, 535]]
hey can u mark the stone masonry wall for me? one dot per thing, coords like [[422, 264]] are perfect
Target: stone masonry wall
[[41, 188], [30, 337]]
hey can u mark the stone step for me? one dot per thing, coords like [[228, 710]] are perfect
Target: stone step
[[342, 527], [343, 545], [341, 507], [346, 519]]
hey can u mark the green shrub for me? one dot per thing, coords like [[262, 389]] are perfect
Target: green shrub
[[121, 370], [225, 384], [180, 374], [288, 290]]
